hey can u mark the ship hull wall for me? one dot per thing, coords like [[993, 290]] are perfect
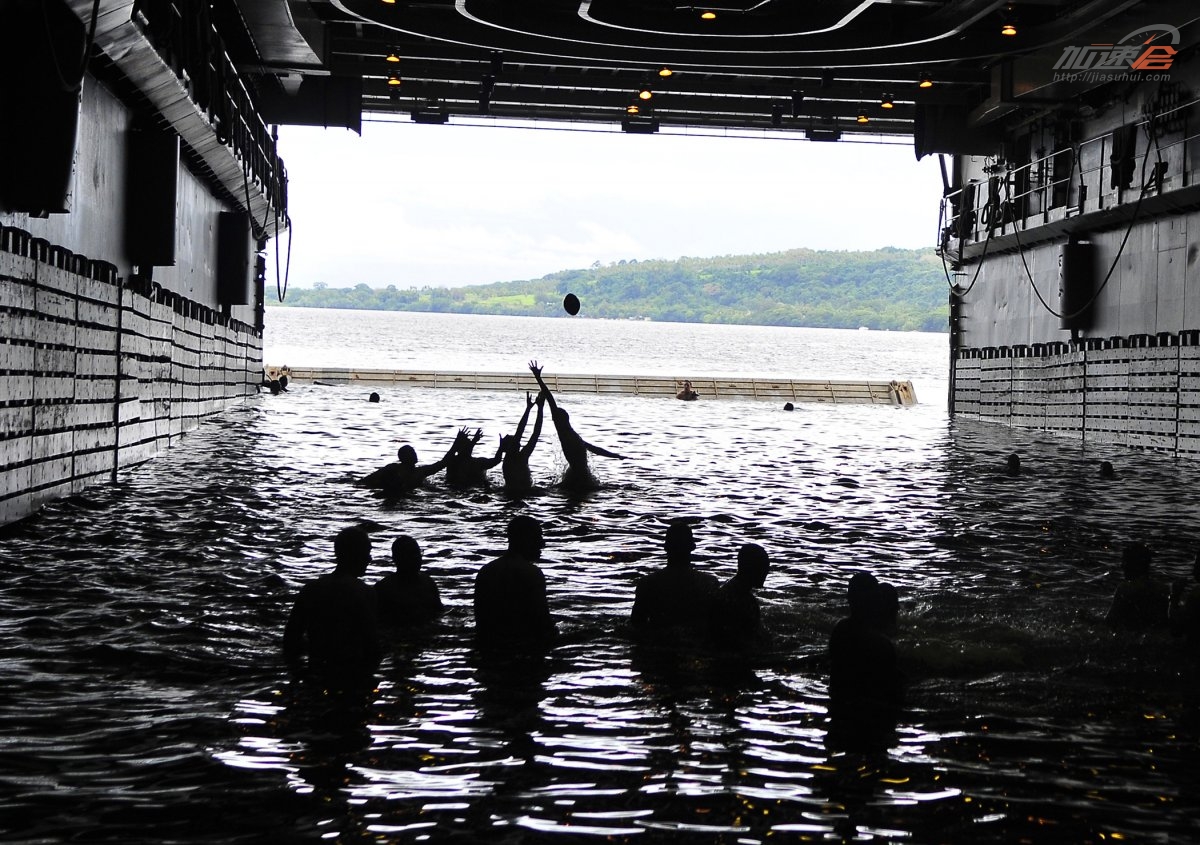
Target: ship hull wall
[[1104, 349], [104, 364]]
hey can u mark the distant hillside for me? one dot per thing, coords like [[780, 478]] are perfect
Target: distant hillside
[[898, 289]]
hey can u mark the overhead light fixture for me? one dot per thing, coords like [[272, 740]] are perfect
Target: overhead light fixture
[[665, 71], [393, 79], [887, 102], [708, 15], [925, 81], [633, 108], [862, 117], [644, 93], [1009, 26], [392, 57]]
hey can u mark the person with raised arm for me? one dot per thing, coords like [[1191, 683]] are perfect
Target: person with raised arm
[[574, 447], [517, 477], [463, 469]]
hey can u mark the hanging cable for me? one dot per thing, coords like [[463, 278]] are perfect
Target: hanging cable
[[281, 290], [978, 267], [1120, 250], [259, 229]]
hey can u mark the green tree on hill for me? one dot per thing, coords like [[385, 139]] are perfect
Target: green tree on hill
[[889, 288]]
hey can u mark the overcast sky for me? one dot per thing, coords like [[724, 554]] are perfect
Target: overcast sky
[[414, 205]]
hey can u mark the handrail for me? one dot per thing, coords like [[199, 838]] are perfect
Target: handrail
[[182, 33], [1034, 193]]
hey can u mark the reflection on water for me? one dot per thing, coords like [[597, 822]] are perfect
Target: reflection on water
[[145, 696]]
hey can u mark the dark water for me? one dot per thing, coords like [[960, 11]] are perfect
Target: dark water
[[145, 699]]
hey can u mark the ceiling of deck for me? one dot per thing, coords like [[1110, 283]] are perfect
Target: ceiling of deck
[[803, 66]]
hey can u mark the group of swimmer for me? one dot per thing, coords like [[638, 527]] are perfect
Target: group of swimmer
[[334, 629], [1142, 602], [333, 633], [464, 469]]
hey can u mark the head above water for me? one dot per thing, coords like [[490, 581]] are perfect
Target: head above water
[[753, 563], [352, 550], [374, 397], [525, 537], [862, 594], [1013, 465], [679, 542], [407, 455], [1135, 560], [406, 554]]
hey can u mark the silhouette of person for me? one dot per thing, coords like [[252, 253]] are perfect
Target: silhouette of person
[[735, 615], [574, 447], [687, 394], [408, 596], [1106, 470], [676, 596], [1012, 466], [374, 397], [1140, 601], [517, 477], [866, 688], [463, 469], [404, 475], [1185, 608], [889, 608], [334, 620], [510, 591], [788, 406]]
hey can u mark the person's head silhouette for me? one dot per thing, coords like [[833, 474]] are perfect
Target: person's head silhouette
[[753, 564], [525, 537], [406, 555], [1135, 561], [352, 551], [679, 543]]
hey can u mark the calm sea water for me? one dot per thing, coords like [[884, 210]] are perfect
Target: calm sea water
[[145, 699]]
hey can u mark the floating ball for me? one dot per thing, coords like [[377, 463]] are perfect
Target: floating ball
[[571, 304]]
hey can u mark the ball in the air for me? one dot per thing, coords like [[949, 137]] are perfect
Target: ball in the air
[[571, 304]]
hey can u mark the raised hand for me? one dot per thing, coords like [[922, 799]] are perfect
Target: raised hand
[[529, 399], [535, 369]]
